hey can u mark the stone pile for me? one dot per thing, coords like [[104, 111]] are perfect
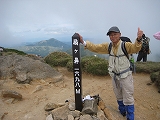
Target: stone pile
[[92, 110]]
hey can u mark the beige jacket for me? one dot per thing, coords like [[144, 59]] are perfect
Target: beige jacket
[[116, 64]]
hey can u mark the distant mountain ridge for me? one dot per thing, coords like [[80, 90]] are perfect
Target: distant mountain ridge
[[44, 47], [51, 42]]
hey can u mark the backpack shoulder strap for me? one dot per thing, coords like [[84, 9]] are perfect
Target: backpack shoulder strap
[[109, 47], [122, 46], [124, 49]]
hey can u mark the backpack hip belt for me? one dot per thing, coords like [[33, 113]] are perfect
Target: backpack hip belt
[[118, 74]]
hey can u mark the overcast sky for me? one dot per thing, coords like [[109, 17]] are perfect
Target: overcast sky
[[36, 20]]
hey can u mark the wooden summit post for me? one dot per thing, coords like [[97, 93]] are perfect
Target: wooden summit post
[[77, 71]]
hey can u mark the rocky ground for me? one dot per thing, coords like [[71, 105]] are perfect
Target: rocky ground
[[40, 92]]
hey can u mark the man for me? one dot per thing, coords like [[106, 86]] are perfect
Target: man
[[119, 67], [142, 54]]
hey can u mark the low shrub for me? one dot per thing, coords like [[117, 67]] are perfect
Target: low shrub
[[147, 67], [70, 65], [58, 59], [94, 65], [154, 76]]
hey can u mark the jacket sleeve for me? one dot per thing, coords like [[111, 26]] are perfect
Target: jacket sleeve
[[133, 47], [98, 48]]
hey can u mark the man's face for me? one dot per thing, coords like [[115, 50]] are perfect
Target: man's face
[[114, 37]]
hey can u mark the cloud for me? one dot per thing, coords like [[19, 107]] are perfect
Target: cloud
[[32, 20], [6, 37]]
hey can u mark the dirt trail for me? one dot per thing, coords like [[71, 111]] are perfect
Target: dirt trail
[[147, 99]]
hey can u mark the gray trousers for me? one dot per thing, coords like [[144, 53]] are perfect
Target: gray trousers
[[124, 89]]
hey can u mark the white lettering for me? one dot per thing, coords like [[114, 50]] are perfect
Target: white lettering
[[78, 91], [75, 42], [76, 61]]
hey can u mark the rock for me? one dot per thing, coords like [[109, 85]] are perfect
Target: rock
[[90, 106], [75, 113], [107, 114], [101, 104], [61, 113], [100, 115], [61, 104], [72, 106], [95, 117], [90, 111], [11, 94], [24, 69], [77, 118], [70, 117], [9, 100], [22, 78], [49, 117], [50, 106], [85, 117], [38, 88]]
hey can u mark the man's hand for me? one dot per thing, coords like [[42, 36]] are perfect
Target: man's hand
[[81, 38], [139, 34]]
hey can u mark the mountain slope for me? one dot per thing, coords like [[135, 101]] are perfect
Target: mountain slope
[[51, 42], [44, 47]]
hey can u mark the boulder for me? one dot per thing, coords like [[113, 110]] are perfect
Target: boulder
[[25, 69], [11, 94]]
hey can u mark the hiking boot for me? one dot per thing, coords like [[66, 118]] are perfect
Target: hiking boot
[[122, 108], [124, 114], [130, 112]]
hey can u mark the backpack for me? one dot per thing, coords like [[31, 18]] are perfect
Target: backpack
[[124, 40], [145, 46]]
